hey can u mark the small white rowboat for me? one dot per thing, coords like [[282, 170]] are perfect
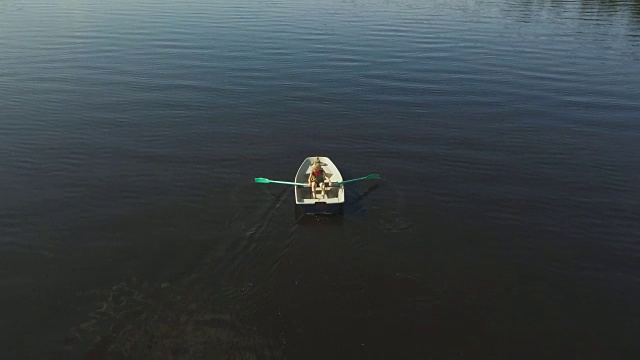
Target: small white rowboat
[[333, 201]]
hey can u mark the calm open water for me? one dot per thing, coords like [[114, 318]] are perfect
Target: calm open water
[[506, 224]]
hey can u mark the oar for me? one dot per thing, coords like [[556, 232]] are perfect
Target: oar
[[267, 181], [368, 177]]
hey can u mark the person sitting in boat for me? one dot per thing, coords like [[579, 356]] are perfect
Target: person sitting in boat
[[317, 176]]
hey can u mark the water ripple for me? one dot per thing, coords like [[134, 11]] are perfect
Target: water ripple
[[521, 113]]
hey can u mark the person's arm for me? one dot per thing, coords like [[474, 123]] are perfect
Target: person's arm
[[309, 180], [328, 178]]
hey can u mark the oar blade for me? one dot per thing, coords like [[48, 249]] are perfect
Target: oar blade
[[262, 180]]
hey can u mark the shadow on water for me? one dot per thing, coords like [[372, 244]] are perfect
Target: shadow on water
[[225, 302], [367, 288]]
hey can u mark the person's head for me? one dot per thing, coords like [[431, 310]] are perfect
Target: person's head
[[316, 166]]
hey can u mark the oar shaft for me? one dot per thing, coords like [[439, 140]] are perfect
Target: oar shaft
[[368, 177], [287, 183], [337, 183]]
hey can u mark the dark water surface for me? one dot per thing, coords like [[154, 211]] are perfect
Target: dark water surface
[[506, 224]]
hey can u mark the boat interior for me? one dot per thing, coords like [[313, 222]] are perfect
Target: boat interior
[[304, 195]]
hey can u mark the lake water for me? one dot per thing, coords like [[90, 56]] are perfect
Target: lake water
[[506, 224]]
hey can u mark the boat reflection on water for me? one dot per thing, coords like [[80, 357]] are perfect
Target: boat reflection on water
[[319, 219], [352, 205]]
